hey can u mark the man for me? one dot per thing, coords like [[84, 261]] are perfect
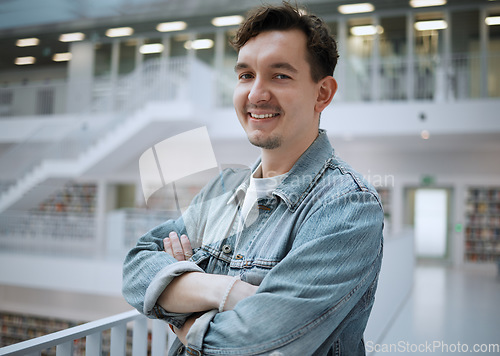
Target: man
[[286, 257]]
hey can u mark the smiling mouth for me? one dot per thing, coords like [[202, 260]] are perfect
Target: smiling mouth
[[263, 116]]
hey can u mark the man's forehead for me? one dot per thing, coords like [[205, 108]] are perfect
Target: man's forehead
[[277, 49]]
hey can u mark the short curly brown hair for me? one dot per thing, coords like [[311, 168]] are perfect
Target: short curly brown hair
[[321, 46]]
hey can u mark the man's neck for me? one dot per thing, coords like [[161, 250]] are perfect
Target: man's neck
[[280, 160]]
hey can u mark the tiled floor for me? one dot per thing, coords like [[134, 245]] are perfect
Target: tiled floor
[[449, 312]]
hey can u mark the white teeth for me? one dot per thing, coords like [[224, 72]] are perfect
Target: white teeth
[[265, 116]]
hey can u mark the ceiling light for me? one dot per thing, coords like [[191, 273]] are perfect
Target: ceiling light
[[356, 8], [119, 32], [151, 48], [171, 26], [425, 134], [27, 42], [20, 61], [72, 37], [367, 30], [227, 20], [431, 25], [425, 3], [492, 20], [61, 57], [199, 44]]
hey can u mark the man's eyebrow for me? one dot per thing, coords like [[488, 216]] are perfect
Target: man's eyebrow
[[284, 65], [240, 66], [279, 65]]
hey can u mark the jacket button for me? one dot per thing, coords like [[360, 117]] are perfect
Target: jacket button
[[226, 249], [193, 352]]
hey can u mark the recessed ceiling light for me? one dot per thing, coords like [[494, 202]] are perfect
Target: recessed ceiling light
[[227, 20], [21, 61], [431, 25], [119, 32], [356, 8], [72, 37], [492, 20], [171, 26], [151, 48], [199, 44], [27, 42], [61, 57], [366, 30], [426, 3]]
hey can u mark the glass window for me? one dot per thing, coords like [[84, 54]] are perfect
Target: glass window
[[102, 59], [393, 53], [333, 28], [127, 56], [359, 51], [465, 48], [494, 59], [230, 55], [431, 73], [177, 42]]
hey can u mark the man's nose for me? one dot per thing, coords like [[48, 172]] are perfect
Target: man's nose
[[259, 92]]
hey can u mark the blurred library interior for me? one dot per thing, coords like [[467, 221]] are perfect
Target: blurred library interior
[[86, 87]]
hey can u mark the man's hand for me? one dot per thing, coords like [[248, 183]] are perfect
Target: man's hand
[[178, 248], [197, 292]]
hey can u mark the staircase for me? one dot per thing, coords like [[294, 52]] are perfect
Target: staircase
[[159, 99]]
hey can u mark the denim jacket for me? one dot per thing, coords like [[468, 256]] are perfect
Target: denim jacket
[[314, 248]]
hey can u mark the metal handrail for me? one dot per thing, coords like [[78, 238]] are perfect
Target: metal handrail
[[63, 340]]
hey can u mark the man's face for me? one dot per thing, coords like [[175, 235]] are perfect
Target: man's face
[[275, 96]]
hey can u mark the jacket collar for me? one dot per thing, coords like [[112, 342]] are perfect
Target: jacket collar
[[301, 178], [306, 171]]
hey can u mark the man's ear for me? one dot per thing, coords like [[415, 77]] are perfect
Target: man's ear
[[327, 89]]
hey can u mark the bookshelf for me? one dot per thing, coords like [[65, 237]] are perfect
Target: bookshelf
[[73, 198], [482, 230], [16, 328]]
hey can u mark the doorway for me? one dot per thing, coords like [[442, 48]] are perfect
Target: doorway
[[428, 212]]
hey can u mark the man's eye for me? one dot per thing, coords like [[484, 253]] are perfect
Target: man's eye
[[245, 76], [282, 76]]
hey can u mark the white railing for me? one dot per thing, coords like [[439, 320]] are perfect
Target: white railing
[[436, 78], [457, 76], [63, 341], [59, 233], [37, 98]]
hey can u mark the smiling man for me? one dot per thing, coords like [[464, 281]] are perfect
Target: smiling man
[[282, 259]]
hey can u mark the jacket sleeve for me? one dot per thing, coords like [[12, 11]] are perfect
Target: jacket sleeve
[[302, 302], [147, 271]]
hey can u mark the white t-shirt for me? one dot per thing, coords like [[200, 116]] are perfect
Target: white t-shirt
[[259, 188]]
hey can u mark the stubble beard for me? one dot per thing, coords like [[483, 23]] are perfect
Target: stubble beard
[[269, 143]]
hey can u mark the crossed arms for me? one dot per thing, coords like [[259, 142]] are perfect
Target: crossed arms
[[195, 292]]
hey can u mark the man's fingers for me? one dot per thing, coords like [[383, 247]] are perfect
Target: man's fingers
[[167, 246], [186, 247], [177, 250]]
